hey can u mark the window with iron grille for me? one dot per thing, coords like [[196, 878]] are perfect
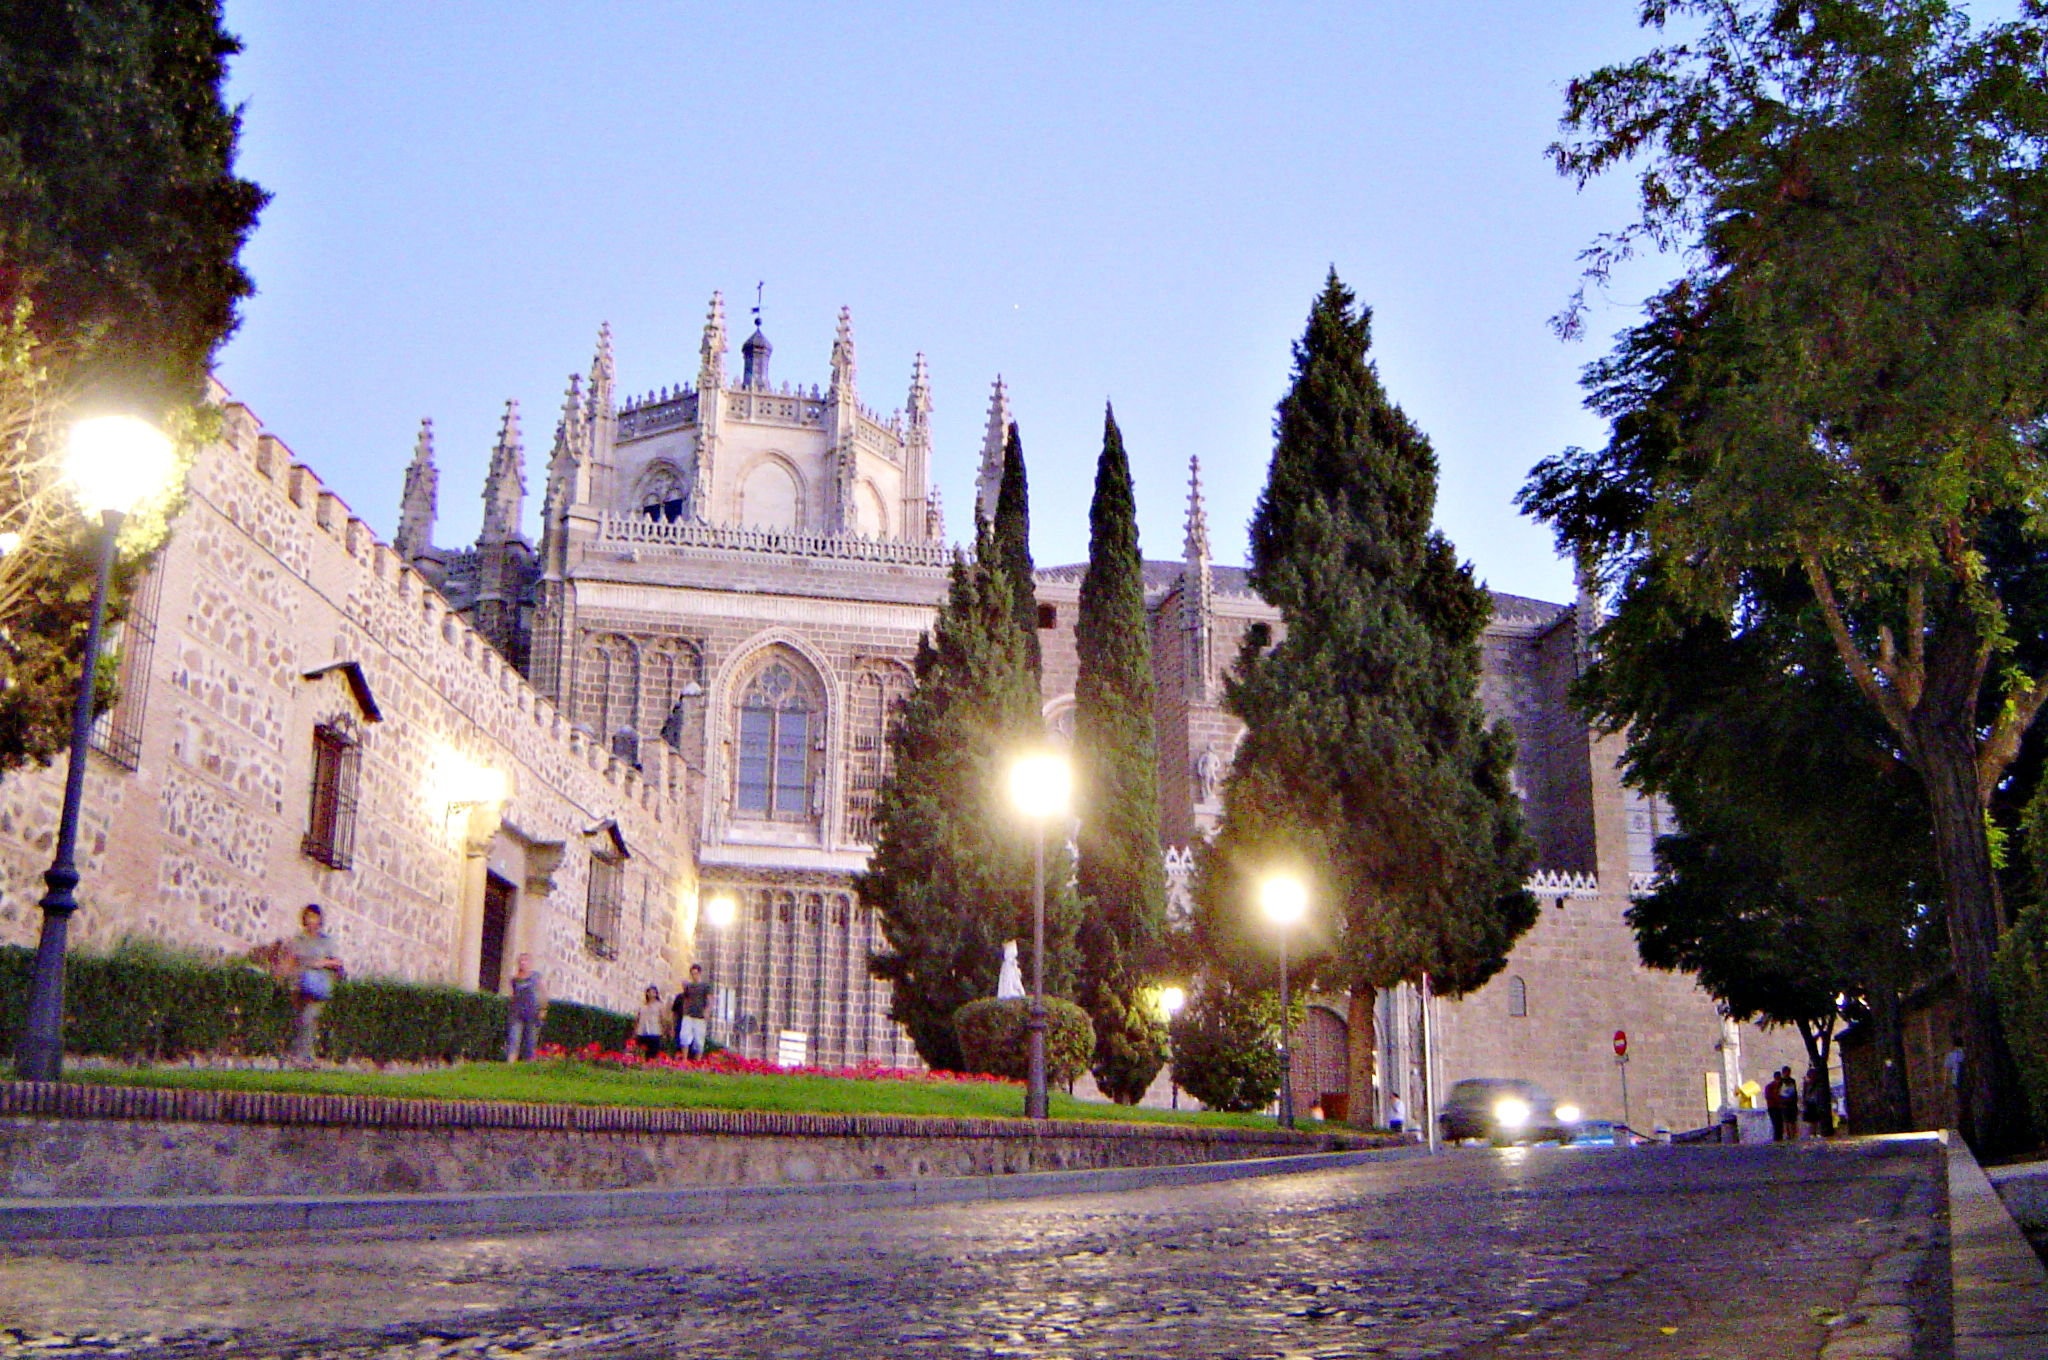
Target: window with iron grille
[[117, 733], [601, 907], [331, 815]]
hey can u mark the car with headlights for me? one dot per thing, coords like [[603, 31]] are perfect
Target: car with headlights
[[1504, 1111]]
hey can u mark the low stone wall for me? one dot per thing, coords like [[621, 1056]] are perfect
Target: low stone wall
[[66, 1141]]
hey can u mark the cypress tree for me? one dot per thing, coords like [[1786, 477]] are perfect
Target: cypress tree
[[1121, 879], [950, 877], [1366, 759], [1012, 535]]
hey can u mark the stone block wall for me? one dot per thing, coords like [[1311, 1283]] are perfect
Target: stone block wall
[[280, 611]]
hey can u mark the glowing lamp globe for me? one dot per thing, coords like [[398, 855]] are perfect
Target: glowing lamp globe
[[1283, 899], [1041, 784], [115, 462], [720, 910], [1172, 1000]]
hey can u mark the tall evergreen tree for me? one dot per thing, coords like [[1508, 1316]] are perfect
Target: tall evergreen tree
[[121, 224], [950, 876], [1012, 534], [1366, 761], [1121, 878]]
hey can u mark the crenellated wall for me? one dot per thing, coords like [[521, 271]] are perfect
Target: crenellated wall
[[280, 611]]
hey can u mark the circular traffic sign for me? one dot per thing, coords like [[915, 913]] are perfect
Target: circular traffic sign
[[1621, 1043]]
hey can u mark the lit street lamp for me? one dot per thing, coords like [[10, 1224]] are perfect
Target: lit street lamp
[[1284, 900], [1041, 787], [720, 911], [1171, 1001], [113, 462]]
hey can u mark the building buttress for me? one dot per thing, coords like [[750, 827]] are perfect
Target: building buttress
[[844, 418], [1197, 592], [920, 497]]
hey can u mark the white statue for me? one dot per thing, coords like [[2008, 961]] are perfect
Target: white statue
[[1209, 773], [1010, 982]]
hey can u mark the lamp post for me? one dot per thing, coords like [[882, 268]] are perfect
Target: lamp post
[[1171, 1001], [1041, 786], [1284, 900], [112, 463]]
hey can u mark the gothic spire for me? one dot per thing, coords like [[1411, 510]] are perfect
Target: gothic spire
[[842, 358], [711, 354], [918, 413], [1197, 587], [1196, 545], [934, 517], [505, 486], [602, 373], [415, 537], [989, 481]]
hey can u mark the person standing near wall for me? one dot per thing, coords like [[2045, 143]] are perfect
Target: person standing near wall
[[650, 1026], [528, 1010], [319, 968], [691, 1003]]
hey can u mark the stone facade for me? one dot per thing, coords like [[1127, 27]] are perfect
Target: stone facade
[[737, 574], [312, 723]]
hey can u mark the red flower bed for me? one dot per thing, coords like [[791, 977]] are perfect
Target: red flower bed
[[729, 1063]]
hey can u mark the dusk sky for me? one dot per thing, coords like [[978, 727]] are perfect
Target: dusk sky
[[1131, 203]]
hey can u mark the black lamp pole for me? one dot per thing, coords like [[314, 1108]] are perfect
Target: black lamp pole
[[1035, 1105], [1286, 1049], [39, 1052]]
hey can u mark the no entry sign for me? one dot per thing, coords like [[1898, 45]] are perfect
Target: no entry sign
[[1621, 1043]]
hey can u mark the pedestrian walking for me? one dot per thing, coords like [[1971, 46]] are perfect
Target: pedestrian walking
[[319, 968], [1397, 1114], [651, 1025], [691, 1003], [528, 1010], [1774, 1102]]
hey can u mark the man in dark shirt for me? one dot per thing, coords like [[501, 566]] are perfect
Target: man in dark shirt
[[691, 1001]]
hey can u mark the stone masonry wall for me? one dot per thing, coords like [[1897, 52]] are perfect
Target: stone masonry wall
[[268, 584]]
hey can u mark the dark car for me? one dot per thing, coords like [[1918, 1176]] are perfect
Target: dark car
[[1504, 1110]]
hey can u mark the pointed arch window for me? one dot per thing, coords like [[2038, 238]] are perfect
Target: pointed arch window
[[779, 725], [663, 496], [1518, 999]]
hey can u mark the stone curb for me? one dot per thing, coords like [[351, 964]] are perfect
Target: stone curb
[[77, 1218], [73, 1100], [2000, 1288]]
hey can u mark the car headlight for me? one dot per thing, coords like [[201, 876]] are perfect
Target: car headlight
[[1567, 1114], [1511, 1113]]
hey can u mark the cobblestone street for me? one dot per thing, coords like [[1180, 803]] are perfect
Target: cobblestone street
[[1709, 1252]]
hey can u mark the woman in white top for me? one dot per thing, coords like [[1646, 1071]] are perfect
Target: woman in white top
[[650, 1027]]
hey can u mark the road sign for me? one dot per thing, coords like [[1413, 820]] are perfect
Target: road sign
[[1621, 1043]]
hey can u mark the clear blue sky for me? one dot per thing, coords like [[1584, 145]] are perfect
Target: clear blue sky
[[1126, 202]]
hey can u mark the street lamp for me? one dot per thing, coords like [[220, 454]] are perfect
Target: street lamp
[[1171, 1001], [720, 910], [1041, 787], [1284, 900], [112, 463]]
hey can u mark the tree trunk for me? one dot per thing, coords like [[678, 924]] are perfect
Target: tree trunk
[[1991, 1108], [1891, 1107], [1362, 1057]]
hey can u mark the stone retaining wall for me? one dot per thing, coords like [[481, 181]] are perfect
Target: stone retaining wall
[[68, 1141]]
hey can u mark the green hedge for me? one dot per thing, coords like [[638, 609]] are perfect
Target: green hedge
[[146, 1003], [994, 1040]]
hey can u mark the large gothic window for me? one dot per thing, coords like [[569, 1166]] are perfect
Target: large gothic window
[[663, 496], [878, 689], [780, 722]]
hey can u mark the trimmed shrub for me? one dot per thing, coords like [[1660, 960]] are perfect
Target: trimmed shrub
[[995, 1040], [144, 1002], [1224, 1049]]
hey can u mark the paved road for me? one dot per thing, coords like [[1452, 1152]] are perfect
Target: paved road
[[1680, 1253]]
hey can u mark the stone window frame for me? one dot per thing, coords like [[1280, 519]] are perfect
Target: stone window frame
[[808, 694], [604, 893], [1518, 998], [334, 797], [659, 475]]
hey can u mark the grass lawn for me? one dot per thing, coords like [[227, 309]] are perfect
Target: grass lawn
[[577, 1083]]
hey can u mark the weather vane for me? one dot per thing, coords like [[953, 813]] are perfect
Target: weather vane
[[757, 303]]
